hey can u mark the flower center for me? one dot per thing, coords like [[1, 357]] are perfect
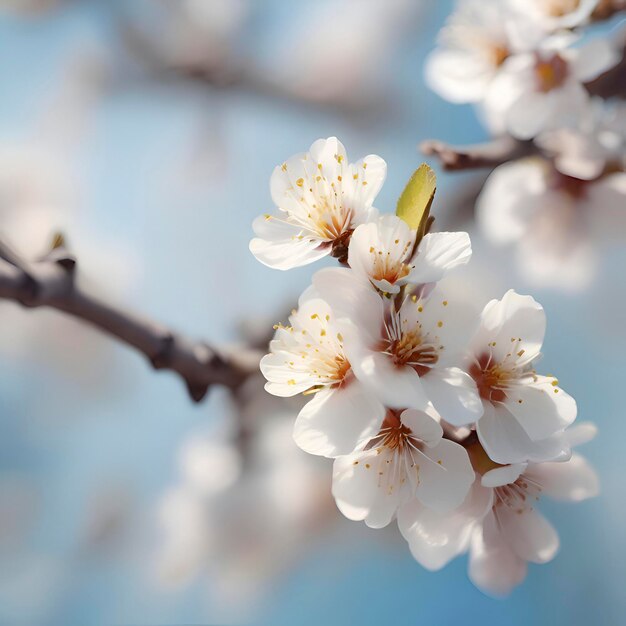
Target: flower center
[[498, 54], [390, 266], [491, 378], [559, 8], [408, 346], [518, 496], [550, 73], [393, 435]]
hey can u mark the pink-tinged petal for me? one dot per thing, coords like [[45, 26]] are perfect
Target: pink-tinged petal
[[529, 534], [436, 538], [454, 395], [444, 476], [573, 480], [364, 487], [541, 407], [493, 567], [504, 475], [439, 253], [515, 317], [337, 419], [423, 426], [505, 441]]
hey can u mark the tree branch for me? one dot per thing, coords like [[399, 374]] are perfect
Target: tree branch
[[50, 282], [489, 154]]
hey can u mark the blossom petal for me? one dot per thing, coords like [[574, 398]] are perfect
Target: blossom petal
[[396, 387], [423, 426], [279, 244], [439, 253], [363, 487], [506, 203], [505, 441], [493, 567], [436, 538], [541, 407], [581, 433], [517, 321], [529, 534], [502, 475], [337, 419], [454, 395], [350, 298], [573, 480], [594, 58], [444, 478], [458, 76]]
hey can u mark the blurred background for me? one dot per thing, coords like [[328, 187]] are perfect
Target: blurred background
[[146, 132]]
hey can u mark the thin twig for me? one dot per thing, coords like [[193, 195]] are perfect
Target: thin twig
[[50, 282], [489, 154]]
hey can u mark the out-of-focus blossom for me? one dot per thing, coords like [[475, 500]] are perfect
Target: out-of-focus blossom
[[558, 223], [524, 413], [243, 533], [358, 38], [556, 14], [595, 144], [194, 34], [477, 39], [407, 458], [321, 197], [543, 89], [498, 521]]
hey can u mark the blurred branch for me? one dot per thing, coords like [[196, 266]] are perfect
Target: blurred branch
[[488, 154], [505, 148], [50, 282], [231, 71]]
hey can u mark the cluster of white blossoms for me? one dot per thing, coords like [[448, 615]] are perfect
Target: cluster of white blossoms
[[434, 416], [527, 66]]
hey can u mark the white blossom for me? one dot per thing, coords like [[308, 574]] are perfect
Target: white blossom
[[406, 356], [596, 143], [384, 253], [555, 221], [407, 458], [309, 357], [556, 14], [498, 522], [477, 39], [321, 198], [524, 413], [543, 89]]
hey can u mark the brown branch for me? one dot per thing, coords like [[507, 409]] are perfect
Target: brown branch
[[488, 154], [50, 282]]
